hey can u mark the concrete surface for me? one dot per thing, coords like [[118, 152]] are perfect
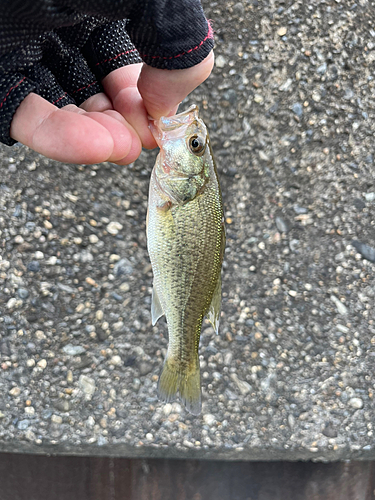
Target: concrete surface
[[290, 109]]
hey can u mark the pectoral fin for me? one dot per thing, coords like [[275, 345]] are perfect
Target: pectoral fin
[[156, 309], [213, 314]]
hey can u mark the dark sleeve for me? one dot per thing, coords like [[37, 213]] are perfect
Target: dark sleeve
[[169, 34], [61, 50], [179, 35], [64, 67]]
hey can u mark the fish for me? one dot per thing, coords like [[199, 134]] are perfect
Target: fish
[[185, 241]]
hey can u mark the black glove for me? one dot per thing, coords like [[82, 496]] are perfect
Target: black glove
[[61, 50]]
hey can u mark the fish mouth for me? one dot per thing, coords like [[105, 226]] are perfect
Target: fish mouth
[[167, 124]]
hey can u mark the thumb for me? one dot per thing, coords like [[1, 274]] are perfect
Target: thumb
[[162, 90]]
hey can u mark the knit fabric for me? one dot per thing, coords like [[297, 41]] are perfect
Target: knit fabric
[[62, 49]]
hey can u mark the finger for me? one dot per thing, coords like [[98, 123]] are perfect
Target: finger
[[120, 78], [136, 143], [162, 90], [133, 154], [60, 134], [97, 102], [121, 86], [126, 143], [123, 153], [129, 103], [118, 153], [72, 135]]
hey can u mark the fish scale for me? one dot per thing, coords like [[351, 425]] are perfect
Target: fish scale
[[186, 243]]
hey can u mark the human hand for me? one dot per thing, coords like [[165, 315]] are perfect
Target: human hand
[[162, 90], [110, 126]]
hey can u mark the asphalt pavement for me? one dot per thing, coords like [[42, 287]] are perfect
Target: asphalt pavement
[[290, 110]]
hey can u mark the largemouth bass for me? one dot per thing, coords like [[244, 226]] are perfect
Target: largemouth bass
[[186, 239]]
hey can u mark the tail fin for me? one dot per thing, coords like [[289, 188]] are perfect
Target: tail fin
[[187, 382]]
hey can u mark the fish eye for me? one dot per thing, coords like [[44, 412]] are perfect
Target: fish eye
[[197, 145]]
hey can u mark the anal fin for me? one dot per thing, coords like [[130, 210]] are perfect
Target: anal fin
[[213, 313], [156, 308]]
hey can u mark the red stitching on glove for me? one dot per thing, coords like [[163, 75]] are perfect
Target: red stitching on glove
[[83, 88], [10, 90], [210, 34], [116, 57], [74, 91], [59, 99]]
